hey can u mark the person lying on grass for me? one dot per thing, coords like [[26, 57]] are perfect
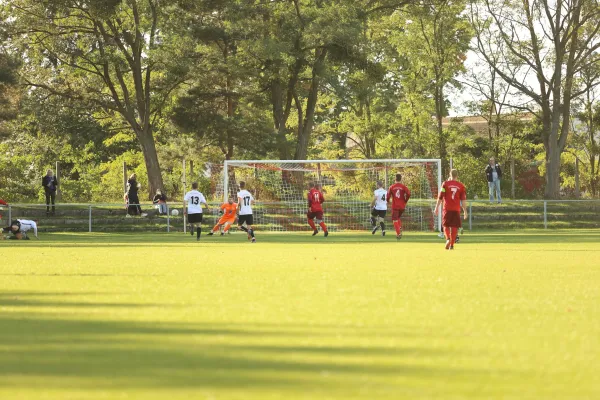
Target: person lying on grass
[[19, 228]]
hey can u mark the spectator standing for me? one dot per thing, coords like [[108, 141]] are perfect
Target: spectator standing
[[160, 202], [134, 207], [494, 174], [50, 184]]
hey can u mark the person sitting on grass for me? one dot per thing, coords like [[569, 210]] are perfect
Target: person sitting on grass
[[160, 202]]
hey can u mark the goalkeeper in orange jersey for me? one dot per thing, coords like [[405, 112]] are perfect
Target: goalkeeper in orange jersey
[[229, 211]]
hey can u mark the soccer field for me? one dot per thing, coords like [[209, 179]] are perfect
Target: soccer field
[[352, 316]]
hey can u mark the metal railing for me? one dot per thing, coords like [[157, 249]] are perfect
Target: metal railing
[[534, 214], [74, 214], [511, 214]]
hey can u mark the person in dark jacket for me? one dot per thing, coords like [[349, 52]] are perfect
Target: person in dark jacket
[[494, 174], [160, 201], [50, 184], [134, 207]]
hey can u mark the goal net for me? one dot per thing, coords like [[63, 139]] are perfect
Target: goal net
[[280, 188]]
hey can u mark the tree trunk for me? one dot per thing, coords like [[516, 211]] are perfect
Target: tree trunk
[[155, 180], [305, 130], [552, 171], [279, 119], [439, 115]]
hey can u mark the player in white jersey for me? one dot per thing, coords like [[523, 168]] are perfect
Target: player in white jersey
[[379, 209], [19, 229], [245, 201], [194, 200]]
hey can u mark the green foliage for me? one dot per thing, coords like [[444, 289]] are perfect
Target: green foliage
[[151, 83]]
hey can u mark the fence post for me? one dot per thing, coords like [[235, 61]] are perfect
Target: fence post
[[512, 178], [90, 217], [545, 214], [470, 215], [184, 191], [168, 219], [124, 177], [9, 214]]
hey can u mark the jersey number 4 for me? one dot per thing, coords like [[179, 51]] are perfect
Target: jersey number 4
[[383, 196]]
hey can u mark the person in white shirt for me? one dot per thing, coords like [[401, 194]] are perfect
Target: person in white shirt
[[19, 229], [194, 200], [379, 209], [245, 202]]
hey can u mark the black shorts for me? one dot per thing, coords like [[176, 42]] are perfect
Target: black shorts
[[378, 213], [195, 218], [248, 219]]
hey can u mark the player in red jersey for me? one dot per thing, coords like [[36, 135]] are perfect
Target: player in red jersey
[[399, 195], [453, 194], [315, 209]]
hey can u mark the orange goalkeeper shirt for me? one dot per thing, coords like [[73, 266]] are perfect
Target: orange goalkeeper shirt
[[229, 210]]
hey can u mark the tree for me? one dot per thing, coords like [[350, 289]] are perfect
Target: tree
[[586, 139], [9, 92], [111, 55], [544, 45], [433, 36], [221, 106], [293, 45]]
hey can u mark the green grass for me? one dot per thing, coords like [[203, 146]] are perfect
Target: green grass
[[125, 316]]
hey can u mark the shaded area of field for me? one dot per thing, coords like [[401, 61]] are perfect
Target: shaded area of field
[[106, 316]]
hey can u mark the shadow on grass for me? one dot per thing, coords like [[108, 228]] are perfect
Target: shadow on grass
[[24, 299], [125, 240], [100, 353]]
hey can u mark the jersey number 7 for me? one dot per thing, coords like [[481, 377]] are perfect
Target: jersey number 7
[[454, 190]]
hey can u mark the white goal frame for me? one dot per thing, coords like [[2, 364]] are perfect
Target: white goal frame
[[241, 163]]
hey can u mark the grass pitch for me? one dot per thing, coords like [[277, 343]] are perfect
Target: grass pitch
[[354, 316]]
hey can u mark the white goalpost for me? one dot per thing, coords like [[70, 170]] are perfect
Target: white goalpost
[[280, 188]]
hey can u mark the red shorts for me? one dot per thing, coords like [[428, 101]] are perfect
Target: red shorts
[[315, 214], [396, 214], [452, 218]]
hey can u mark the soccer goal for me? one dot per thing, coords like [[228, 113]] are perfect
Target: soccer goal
[[280, 188]]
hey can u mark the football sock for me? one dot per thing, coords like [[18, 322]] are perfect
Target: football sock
[[382, 224], [323, 226], [447, 232], [312, 224], [454, 234], [226, 228], [397, 226], [198, 230], [242, 227], [215, 228], [251, 232], [373, 221]]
